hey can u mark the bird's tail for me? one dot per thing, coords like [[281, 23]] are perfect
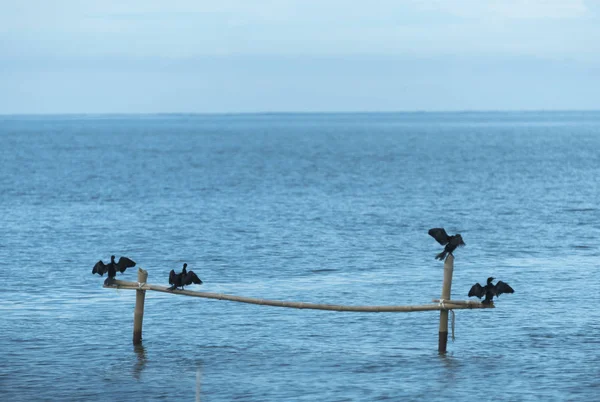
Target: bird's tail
[[441, 255]]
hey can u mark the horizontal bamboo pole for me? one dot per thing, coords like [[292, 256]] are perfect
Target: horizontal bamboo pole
[[466, 303], [448, 305]]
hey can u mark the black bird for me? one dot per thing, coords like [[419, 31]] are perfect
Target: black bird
[[112, 267], [451, 242], [176, 279], [490, 290], [183, 278]]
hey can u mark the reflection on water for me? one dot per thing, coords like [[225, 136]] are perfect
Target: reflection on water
[[198, 380], [140, 362], [449, 366]]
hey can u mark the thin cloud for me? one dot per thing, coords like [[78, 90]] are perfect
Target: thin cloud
[[508, 9]]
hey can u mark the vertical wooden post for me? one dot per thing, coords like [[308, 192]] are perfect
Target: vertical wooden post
[[138, 313], [446, 288]]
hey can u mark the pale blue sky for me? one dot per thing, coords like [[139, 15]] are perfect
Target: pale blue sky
[[146, 56]]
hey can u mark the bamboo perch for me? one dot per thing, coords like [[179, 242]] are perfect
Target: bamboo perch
[[471, 303], [138, 313], [447, 305], [446, 289]]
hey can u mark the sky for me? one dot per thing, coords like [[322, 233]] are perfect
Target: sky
[[240, 56]]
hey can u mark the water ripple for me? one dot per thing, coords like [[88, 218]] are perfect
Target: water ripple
[[331, 209]]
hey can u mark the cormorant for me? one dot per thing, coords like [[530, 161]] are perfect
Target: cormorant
[[183, 278], [490, 290], [112, 267], [451, 242], [175, 279]]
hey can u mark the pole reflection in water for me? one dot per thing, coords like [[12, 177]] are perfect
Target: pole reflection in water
[[141, 360], [198, 380]]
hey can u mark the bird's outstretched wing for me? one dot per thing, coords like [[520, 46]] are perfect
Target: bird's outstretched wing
[[99, 268], [124, 263], [172, 276], [191, 277], [502, 287], [440, 235], [477, 290], [458, 240]]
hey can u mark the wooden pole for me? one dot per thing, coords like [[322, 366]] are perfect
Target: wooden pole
[[138, 314], [466, 303], [443, 304], [446, 288], [448, 304]]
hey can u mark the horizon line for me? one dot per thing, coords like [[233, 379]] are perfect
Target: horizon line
[[465, 111]]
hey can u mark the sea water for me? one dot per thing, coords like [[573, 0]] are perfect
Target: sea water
[[321, 208]]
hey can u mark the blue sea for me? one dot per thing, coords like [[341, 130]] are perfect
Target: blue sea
[[321, 208]]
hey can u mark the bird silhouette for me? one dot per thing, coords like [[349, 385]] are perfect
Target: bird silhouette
[[112, 267], [451, 242], [175, 279], [490, 290], [183, 278]]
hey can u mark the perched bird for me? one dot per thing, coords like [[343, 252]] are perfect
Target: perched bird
[[175, 279], [183, 278], [112, 267], [490, 290], [451, 242]]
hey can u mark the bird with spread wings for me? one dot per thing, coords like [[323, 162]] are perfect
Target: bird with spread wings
[[490, 290], [183, 278], [450, 242], [112, 267]]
